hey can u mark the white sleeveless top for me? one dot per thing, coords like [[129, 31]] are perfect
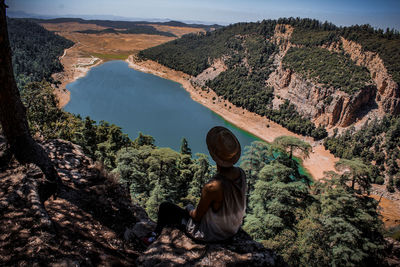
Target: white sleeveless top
[[224, 223]]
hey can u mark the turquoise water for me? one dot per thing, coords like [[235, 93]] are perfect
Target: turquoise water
[[142, 102]]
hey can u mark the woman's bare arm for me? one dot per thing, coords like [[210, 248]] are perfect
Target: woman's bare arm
[[210, 193]]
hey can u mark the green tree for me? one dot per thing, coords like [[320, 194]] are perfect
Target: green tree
[[254, 158], [115, 140], [157, 196], [340, 229], [132, 170], [291, 144], [144, 140], [185, 147], [356, 172], [201, 174], [277, 203], [43, 113], [89, 137]]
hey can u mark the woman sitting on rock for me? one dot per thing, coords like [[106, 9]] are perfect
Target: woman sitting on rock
[[222, 205]]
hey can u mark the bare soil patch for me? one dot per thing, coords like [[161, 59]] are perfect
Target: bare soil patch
[[389, 210], [71, 27]]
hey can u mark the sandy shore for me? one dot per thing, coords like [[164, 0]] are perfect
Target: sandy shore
[[75, 67], [320, 159]]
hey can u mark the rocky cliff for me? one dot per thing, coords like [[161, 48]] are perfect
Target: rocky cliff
[[325, 105], [388, 93], [92, 221]]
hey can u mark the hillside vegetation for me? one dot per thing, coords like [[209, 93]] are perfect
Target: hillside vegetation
[[35, 51], [385, 43], [377, 142], [248, 55], [330, 69]]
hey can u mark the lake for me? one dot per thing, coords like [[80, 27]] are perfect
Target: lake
[[142, 102]]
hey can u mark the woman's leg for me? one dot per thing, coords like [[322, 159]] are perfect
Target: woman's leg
[[171, 215]]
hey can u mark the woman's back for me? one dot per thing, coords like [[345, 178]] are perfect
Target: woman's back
[[223, 222]]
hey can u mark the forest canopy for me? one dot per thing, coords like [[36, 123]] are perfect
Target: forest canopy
[[35, 51], [328, 68]]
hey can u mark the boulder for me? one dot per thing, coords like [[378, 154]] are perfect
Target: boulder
[[175, 248]]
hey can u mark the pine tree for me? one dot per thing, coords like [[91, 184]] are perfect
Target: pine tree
[[201, 174], [157, 196], [185, 147], [144, 140], [291, 144], [255, 157], [133, 171], [89, 137], [356, 172], [277, 203], [341, 229]]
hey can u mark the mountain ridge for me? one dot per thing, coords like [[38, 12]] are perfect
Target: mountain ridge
[[227, 44]]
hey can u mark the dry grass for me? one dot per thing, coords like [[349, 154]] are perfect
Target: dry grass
[[178, 31], [113, 44], [71, 27], [110, 43]]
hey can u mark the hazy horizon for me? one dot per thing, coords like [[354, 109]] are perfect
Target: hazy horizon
[[382, 14]]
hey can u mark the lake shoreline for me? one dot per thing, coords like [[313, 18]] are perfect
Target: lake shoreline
[[320, 159], [75, 67]]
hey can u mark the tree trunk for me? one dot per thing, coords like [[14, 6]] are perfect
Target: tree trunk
[[12, 113]]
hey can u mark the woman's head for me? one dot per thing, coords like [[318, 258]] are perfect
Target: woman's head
[[223, 146]]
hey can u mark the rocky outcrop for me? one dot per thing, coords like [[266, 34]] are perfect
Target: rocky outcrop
[[324, 106], [388, 93], [174, 248], [210, 73], [83, 226]]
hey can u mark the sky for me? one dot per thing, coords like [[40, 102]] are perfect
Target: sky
[[381, 14]]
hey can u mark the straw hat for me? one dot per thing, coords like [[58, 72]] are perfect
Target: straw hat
[[223, 146]]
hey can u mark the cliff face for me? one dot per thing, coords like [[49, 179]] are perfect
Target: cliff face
[[325, 106], [388, 93]]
